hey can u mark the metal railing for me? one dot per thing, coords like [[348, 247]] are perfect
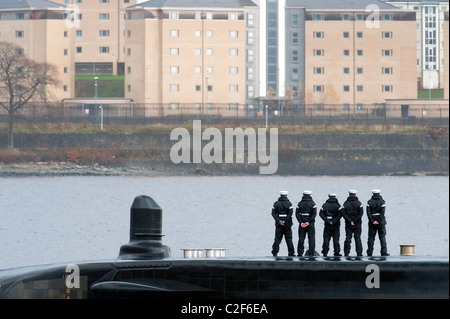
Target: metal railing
[[280, 114]]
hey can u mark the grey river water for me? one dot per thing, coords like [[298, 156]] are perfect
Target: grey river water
[[69, 219]]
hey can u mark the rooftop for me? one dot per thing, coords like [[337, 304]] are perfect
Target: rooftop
[[339, 4], [28, 4], [196, 4]]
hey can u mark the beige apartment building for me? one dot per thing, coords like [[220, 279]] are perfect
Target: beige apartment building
[[97, 32], [430, 41], [38, 26], [349, 63], [192, 53]]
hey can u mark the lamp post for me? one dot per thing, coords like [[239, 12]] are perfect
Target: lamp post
[[267, 114], [101, 117], [95, 85]]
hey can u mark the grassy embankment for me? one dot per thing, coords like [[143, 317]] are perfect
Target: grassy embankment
[[117, 157]]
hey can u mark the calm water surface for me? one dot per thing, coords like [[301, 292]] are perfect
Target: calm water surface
[[68, 219]]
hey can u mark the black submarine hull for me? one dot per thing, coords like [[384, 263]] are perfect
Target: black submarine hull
[[145, 269], [394, 277]]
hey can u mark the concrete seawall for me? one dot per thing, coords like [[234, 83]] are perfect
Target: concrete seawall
[[298, 154]]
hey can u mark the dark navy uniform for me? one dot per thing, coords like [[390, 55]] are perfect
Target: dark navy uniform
[[282, 212], [331, 215], [352, 211], [306, 213], [375, 210]]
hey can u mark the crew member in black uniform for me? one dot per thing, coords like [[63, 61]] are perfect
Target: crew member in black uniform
[[306, 213], [375, 210], [331, 215], [282, 212], [352, 211]]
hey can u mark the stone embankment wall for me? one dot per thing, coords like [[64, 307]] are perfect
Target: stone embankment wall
[[298, 154]]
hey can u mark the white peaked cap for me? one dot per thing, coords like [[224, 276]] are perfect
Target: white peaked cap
[[307, 193], [284, 192], [352, 191], [332, 195], [376, 191]]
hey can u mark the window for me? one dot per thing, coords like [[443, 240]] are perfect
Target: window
[[294, 20], [319, 70], [232, 16], [387, 71], [104, 49], [197, 70], [359, 17], [233, 70], [294, 38], [387, 52], [174, 88], [318, 88], [359, 35], [387, 17], [250, 37], [209, 33], [209, 70], [346, 70], [209, 52], [174, 69], [386, 35], [174, 51], [360, 88], [20, 34], [346, 88], [294, 57], [233, 88], [104, 33], [318, 16], [359, 52], [318, 52], [198, 34], [104, 16], [233, 52], [359, 70], [198, 88], [174, 33], [79, 49], [346, 52], [173, 15], [316, 34], [346, 106], [234, 34], [346, 34], [387, 88], [20, 16], [198, 51], [346, 17]]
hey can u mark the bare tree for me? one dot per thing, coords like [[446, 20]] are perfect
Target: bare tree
[[21, 81]]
